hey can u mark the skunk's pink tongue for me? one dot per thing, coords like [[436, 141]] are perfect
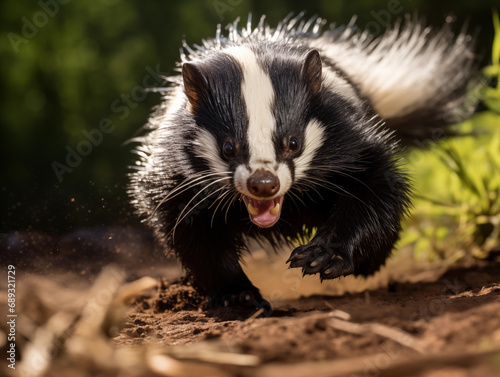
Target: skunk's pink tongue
[[264, 213]]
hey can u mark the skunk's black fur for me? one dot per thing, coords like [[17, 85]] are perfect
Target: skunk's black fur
[[264, 115]]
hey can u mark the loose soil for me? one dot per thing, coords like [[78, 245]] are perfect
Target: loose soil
[[408, 320]]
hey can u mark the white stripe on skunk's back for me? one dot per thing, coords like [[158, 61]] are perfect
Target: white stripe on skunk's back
[[410, 67], [258, 95]]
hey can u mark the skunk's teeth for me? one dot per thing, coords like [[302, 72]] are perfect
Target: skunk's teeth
[[254, 211], [275, 210]]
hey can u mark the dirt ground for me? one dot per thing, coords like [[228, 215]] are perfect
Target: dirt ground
[[408, 320]]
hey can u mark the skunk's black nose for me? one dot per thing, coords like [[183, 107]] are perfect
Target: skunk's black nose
[[263, 184]]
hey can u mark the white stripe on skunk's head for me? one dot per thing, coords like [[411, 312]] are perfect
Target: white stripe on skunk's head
[[253, 113]]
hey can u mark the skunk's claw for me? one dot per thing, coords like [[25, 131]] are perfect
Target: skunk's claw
[[320, 259]]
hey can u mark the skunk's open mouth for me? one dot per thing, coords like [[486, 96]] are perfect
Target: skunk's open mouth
[[264, 213]]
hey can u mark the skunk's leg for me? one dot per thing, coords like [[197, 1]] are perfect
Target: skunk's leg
[[211, 260], [359, 232], [347, 243]]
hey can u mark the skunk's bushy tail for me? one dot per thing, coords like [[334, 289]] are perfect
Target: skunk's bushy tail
[[416, 78]]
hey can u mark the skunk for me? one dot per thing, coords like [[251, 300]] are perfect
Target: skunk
[[292, 132]]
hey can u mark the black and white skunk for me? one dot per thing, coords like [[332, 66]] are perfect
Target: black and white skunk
[[270, 133]]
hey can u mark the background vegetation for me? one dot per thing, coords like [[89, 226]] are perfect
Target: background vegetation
[[87, 62], [457, 206]]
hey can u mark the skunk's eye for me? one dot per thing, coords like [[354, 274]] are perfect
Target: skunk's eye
[[293, 144], [228, 149]]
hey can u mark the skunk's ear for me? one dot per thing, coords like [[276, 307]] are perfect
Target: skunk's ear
[[195, 85], [311, 72]]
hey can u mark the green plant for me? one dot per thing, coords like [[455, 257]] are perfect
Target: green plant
[[492, 95], [459, 214], [303, 237]]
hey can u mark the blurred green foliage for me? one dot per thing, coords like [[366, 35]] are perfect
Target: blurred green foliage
[[457, 210], [62, 75]]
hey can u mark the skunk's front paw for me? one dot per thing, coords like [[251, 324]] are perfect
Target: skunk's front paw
[[326, 260]]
